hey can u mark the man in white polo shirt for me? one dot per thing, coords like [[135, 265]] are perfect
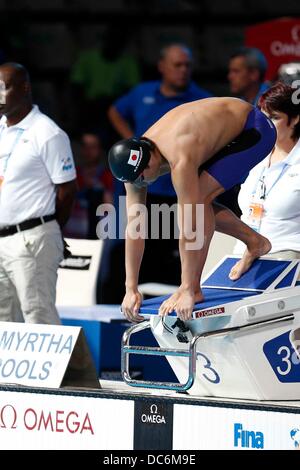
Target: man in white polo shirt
[[37, 189]]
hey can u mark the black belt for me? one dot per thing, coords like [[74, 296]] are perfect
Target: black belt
[[11, 229]]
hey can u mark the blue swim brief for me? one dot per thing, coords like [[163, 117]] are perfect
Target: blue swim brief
[[231, 165]]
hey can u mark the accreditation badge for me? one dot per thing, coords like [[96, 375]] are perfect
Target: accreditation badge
[[255, 214], [3, 164], [2, 168]]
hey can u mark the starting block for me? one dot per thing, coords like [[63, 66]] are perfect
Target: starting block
[[243, 341]]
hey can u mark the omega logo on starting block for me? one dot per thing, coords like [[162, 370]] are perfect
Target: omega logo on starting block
[[211, 311]]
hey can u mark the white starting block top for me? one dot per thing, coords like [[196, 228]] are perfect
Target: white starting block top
[[266, 275], [247, 332]]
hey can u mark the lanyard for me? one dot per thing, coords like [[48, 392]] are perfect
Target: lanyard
[[261, 180], [18, 136]]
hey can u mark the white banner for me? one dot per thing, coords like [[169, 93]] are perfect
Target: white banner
[[57, 422], [207, 427], [35, 355]]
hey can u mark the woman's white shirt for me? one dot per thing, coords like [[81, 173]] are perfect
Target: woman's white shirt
[[281, 217]]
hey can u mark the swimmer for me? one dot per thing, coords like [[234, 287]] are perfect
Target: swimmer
[[208, 146]]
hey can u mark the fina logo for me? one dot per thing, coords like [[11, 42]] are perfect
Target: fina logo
[[295, 436], [154, 417], [67, 163], [248, 439]]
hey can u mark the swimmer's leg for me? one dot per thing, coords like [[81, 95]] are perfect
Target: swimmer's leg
[[209, 189], [257, 245]]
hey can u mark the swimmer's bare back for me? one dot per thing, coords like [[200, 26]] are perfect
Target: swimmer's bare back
[[199, 129]]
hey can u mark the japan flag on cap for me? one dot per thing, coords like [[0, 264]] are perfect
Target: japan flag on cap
[[134, 157]]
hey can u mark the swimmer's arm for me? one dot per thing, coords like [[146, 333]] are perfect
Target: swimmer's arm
[[186, 183], [134, 248]]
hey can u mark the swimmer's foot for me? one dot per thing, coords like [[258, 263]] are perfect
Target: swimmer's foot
[[259, 247], [170, 304], [198, 297]]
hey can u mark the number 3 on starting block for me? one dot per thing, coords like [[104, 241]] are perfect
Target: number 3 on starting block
[[209, 373], [282, 358]]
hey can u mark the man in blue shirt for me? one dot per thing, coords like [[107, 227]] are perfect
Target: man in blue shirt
[[246, 74], [131, 115]]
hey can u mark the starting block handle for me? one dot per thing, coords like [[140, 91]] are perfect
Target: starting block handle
[[191, 353], [127, 350]]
